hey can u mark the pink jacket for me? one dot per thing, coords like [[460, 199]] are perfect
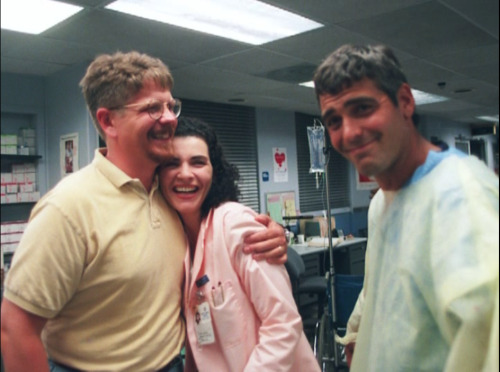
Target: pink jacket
[[257, 327]]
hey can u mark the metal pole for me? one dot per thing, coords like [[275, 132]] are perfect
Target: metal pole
[[330, 249]]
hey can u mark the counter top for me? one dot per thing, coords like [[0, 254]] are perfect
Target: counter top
[[304, 249]]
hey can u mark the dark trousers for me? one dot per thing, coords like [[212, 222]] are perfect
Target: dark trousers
[[175, 365]]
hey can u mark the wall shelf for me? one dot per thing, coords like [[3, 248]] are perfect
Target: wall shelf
[[9, 159], [19, 203], [16, 211]]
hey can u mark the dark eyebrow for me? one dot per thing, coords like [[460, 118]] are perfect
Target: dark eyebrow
[[357, 100], [199, 157], [351, 102], [171, 159]]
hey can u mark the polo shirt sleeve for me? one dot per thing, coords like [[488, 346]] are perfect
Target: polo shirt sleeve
[[48, 263]]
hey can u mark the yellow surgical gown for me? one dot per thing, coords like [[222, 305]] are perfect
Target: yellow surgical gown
[[431, 282]]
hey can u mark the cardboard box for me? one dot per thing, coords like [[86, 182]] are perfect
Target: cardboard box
[[10, 198], [29, 177], [11, 188], [27, 197], [18, 168], [27, 141], [27, 187], [18, 177], [34, 196], [5, 227], [29, 168], [23, 150], [9, 139], [6, 178], [27, 132], [9, 247], [11, 238], [9, 149], [22, 197], [13, 227]]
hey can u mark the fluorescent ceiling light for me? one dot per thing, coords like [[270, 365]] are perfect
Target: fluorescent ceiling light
[[34, 16], [424, 98], [308, 84], [493, 118], [249, 21]]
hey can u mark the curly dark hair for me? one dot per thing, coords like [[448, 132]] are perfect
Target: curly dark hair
[[225, 175]]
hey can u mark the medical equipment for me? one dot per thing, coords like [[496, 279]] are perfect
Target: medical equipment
[[316, 138], [328, 351]]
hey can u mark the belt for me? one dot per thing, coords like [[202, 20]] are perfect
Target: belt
[[175, 365], [58, 367]]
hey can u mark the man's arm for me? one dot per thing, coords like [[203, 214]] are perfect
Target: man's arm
[[269, 244], [22, 347], [353, 327]]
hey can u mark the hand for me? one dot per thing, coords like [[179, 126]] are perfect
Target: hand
[[349, 351], [269, 244]]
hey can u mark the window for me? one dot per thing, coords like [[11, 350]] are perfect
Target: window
[[311, 198], [236, 129]]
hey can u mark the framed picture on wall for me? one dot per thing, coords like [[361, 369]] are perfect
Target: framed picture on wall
[[68, 149]]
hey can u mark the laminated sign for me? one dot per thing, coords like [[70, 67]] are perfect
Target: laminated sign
[[280, 161]]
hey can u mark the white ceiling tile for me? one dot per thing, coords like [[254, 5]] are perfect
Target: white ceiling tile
[[455, 41], [425, 30]]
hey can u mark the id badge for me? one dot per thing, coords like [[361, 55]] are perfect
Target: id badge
[[203, 324]]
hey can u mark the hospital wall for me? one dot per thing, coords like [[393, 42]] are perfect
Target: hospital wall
[[58, 108]]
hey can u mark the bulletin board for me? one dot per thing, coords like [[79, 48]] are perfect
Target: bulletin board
[[281, 204]]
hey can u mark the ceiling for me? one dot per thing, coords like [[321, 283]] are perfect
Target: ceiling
[[454, 42]]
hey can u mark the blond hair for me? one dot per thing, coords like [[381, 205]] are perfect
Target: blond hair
[[112, 80]]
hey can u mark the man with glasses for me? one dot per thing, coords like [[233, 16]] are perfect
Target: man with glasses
[[96, 280], [155, 108]]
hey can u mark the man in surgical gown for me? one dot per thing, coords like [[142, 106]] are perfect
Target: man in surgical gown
[[430, 297]]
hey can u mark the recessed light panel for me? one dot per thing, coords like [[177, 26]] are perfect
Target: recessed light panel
[[34, 16], [249, 21], [308, 84], [493, 118], [424, 98]]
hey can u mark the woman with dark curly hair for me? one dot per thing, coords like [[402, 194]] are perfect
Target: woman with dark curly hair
[[240, 313]]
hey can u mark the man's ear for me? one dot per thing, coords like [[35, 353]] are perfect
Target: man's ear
[[406, 101], [104, 117]]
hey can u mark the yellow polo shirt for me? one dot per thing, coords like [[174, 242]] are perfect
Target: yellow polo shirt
[[102, 259]]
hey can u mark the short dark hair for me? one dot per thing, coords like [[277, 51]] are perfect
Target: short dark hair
[[352, 63], [225, 175]]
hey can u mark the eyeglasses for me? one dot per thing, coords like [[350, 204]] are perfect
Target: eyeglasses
[[155, 108]]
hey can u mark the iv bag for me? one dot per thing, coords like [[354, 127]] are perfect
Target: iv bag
[[316, 137]]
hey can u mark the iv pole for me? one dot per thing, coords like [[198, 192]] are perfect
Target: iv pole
[[327, 151]]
